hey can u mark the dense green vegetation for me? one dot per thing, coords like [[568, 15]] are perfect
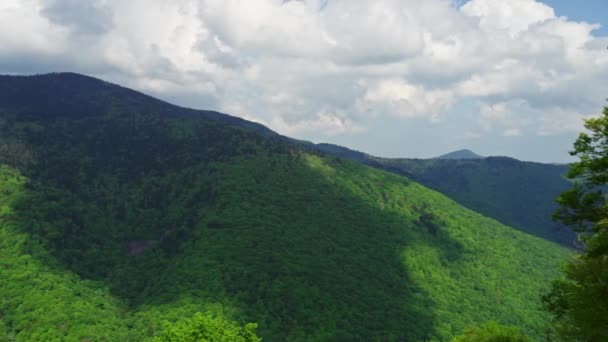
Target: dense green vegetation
[[123, 221], [579, 302], [516, 193], [207, 328], [492, 332]]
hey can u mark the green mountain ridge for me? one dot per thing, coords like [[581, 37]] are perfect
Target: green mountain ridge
[[519, 194], [121, 215]]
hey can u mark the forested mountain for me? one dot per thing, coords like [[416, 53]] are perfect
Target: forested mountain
[[517, 193], [124, 218]]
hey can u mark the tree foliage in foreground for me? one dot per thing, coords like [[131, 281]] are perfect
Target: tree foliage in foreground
[[208, 329], [579, 302]]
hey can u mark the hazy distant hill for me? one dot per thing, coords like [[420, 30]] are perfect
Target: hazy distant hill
[[119, 212], [517, 193], [460, 154]]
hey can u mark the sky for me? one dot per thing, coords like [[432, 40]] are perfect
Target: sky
[[393, 78]]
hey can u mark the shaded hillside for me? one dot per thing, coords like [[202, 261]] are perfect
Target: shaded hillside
[[121, 215], [75, 96], [517, 193]]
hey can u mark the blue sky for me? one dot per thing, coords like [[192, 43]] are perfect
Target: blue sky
[[388, 77], [594, 11]]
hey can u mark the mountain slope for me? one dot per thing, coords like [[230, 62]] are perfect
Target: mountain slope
[[123, 211], [517, 193]]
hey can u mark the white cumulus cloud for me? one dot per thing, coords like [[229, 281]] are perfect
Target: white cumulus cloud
[[327, 66]]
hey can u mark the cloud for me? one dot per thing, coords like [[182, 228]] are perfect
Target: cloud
[[515, 117], [327, 123], [512, 17], [81, 17], [399, 98], [511, 132], [327, 66]]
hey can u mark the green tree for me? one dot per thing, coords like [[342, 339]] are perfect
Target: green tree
[[205, 328], [579, 302], [492, 332]]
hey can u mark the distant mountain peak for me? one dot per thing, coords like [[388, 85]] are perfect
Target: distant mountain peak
[[461, 154]]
